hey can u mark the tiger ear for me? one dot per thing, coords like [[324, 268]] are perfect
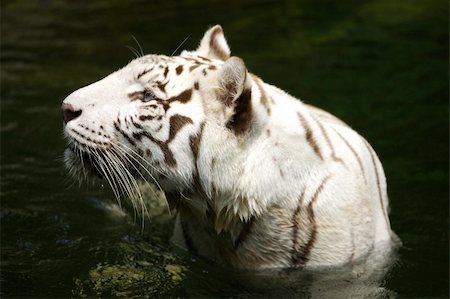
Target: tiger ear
[[213, 44], [235, 93], [232, 76]]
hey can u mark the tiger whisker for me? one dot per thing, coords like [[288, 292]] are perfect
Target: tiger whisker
[[150, 174], [134, 51], [179, 46], [139, 45], [133, 189], [112, 182], [137, 161], [83, 167], [126, 155], [121, 178]]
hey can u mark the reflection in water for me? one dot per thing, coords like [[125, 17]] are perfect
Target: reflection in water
[[163, 272], [380, 65], [362, 279]]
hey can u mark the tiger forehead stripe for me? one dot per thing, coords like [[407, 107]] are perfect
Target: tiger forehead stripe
[[193, 67], [204, 58], [144, 72]]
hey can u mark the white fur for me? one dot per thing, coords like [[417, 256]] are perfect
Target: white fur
[[257, 176]]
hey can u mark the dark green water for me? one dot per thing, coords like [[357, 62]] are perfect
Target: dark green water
[[381, 65]]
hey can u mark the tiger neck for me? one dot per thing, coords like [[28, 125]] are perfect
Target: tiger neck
[[220, 166], [217, 185]]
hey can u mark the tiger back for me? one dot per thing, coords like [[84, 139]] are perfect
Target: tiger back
[[258, 178]]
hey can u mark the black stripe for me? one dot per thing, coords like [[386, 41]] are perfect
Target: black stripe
[[301, 253], [187, 236], [309, 135], [128, 138], [144, 72], [358, 158], [377, 175], [328, 141]]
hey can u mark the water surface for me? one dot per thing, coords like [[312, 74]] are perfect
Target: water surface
[[380, 65]]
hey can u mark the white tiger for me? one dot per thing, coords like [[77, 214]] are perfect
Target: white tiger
[[258, 178]]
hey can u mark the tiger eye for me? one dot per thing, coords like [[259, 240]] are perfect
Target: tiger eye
[[148, 96]]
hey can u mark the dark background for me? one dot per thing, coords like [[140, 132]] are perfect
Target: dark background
[[380, 65]]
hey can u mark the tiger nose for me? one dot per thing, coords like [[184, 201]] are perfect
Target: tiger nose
[[69, 112]]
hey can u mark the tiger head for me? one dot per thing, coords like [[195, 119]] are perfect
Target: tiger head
[[149, 118]]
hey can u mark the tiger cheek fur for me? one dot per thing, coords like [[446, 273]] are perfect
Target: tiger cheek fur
[[259, 179]]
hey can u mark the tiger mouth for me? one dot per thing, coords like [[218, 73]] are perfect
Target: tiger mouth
[[85, 161], [97, 162]]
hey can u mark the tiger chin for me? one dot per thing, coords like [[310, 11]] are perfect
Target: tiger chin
[[258, 178]]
